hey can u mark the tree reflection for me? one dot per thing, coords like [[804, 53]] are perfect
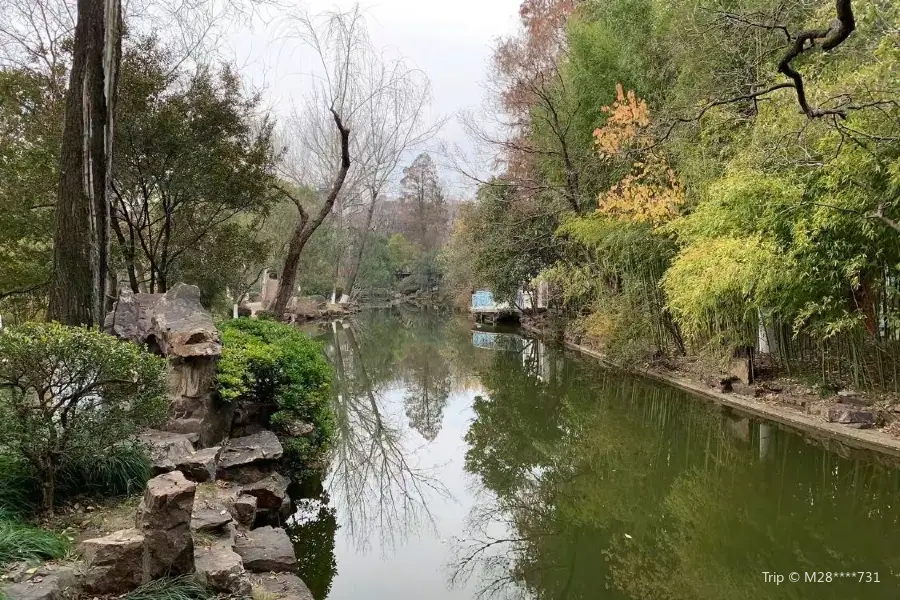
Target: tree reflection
[[375, 482], [598, 484], [313, 533], [427, 379]]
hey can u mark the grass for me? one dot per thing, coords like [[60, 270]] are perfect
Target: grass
[[257, 592], [176, 588], [20, 542], [18, 487], [122, 472]]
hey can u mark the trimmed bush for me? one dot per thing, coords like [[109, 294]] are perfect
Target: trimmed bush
[[272, 363], [68, 395]]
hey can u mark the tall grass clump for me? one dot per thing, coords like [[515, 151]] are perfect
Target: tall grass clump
[[122, 471], [176, 588], [20, 542]]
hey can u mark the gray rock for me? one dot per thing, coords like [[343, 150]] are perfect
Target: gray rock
[[298, 428], [184, 328], [164, 517], [167, 450], [210, 520], [851, 397], [194, 408], [244, 459], [48, 582], [244, 510], [177, 326], [132, 316], [742, 369], [742, 389], [266, 549], [113, 564], [221, 569], [848, 413], [283, 586], [201, 465], [286, 509], [269, 492]]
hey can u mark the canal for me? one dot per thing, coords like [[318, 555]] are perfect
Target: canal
[[469, 464]]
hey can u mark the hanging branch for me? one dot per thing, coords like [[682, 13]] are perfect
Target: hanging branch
[[838, 30]]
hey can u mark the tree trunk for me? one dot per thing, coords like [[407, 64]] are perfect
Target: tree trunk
[[351, 279], [304, 230], [78, 294], [48, 483], [128, 253]]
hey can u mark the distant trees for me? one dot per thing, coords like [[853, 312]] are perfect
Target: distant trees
[[423, 212]]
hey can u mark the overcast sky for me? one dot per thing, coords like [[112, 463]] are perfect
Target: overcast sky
[[450, 40]]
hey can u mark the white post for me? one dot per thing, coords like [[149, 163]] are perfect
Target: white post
[[765, 441], [234, 312]]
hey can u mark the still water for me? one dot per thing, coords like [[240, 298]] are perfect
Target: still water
[[471, 465]]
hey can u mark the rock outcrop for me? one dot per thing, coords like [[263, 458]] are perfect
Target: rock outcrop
[[167, 449], [269, 492], [283, 586], [201, 465], [249, 459], [210, 520], [164, 517], [177, 326], [113, 564], [47, 582], [220, 568], [244, 510], [182, 528], [266, 549]]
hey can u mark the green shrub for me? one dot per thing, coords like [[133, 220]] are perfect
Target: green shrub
[[273, 363], [69, 394], [121, 470], [19, 542]]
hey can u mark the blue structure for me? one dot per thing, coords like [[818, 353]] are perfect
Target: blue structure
[[483, 300]]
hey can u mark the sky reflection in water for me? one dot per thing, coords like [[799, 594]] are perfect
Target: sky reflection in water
[[470, 465]]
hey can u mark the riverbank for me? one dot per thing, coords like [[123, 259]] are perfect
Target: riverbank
[[866, 426]]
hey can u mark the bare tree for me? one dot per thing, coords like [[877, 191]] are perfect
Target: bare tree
[[340, 42], [391, 123], [382, 101]]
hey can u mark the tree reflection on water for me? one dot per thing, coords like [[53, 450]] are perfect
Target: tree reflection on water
[[584, 482], [600, 484], [374, 475]]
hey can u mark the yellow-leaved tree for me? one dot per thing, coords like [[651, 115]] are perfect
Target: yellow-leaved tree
[[649, 192]]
